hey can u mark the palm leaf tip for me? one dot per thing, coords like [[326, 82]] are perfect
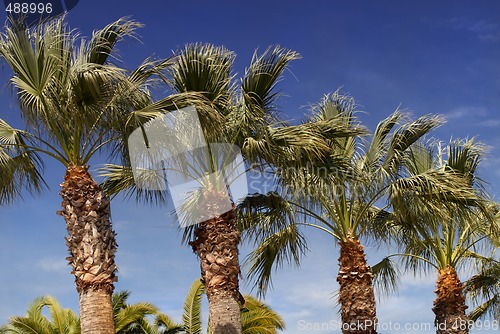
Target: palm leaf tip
[[386, 276], [104, 40], [262, 76]]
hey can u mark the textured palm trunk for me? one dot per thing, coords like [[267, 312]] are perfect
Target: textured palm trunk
[[216, 244], [356, 296], [92, 246], [449, 306]]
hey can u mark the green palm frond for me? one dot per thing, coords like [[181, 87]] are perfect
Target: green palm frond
[[205, 68], [464, 157], [104, 40], [284, 246], [260, 80], [484, 290], [120, 179], [119, 300], [491, 308], [62, 321], [420, 159], [20, 325], [33, 56], [259, 318], [165, 325], [377, 149], [129, 317], [432, 190], [386, 276], [20, 166], [132, 314], [255, 108], [191, 317], [260, 216], [404, 137]]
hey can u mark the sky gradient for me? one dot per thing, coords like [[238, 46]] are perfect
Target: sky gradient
[[425, 56]]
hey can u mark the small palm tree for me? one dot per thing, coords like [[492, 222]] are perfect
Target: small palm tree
[[245, 118], [73, 101], [62, 321], [257, 317], [441, 231], [127, 317]]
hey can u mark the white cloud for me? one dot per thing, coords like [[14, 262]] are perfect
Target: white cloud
[[466, 112], [490, 123], [53, 265], [484, 30]]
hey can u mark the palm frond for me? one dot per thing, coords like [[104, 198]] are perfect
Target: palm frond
[[131, 314], [283, 247], [103, 41], [386, 276], [377, 149], [260, 216], [205, 68], [484, 290], [119, 300], [260, 80], [62, 321], [491, 308], [259, 318], [20, 325], [405, 136], [191, 317], [165, 325], [20, 165], [120, 179]]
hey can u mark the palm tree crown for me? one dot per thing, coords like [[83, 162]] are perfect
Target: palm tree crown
[[73, 101]]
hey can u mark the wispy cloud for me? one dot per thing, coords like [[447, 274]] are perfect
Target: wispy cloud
[[484, 30], [463, 112], [53, 265], [476, 116], [490, 123]]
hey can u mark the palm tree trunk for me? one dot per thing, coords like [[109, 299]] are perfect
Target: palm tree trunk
[[216, 244], [356, 296], [96, 312], [92, 246], [449, 306]]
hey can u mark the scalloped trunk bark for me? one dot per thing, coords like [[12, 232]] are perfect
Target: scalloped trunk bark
[[356, 296], [216, 244], [92, 246], [449, 306]]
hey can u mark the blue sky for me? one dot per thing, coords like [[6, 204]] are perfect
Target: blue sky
[[427, 56]]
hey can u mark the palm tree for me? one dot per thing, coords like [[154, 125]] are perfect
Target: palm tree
[[62, 321], [73, 100], [127, 317], [341, 203], [245, 118], [440, 231]]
